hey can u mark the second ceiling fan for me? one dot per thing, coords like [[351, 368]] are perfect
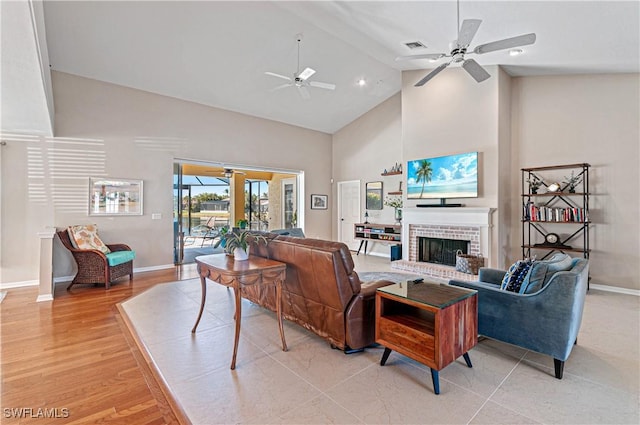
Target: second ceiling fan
[[459, 49], [300, 80]]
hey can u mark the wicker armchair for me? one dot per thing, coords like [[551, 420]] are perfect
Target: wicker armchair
[[93, 266]]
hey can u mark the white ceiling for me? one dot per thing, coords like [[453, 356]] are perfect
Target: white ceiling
[[215, 53]]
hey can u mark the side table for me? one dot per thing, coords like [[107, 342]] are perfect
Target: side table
[[431, 323]]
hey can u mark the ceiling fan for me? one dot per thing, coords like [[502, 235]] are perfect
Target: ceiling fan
[[459, 49], [228, 172], [300, 80]]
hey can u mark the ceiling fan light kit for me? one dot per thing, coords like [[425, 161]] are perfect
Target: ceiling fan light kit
[[300, 80], [459, 48]]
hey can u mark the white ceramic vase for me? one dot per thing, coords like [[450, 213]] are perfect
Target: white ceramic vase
[[240, 254]]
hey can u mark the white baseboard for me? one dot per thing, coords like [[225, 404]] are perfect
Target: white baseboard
[[377, 254], [153, 268], [23, 284], [26, 283], [47, 297], [615, 289], [60, 279]]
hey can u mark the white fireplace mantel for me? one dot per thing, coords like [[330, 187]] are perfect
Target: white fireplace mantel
[[478, 217]]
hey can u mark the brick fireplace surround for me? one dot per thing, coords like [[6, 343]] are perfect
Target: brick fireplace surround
[[471, 224]]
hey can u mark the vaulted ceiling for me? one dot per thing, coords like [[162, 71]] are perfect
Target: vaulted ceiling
[[216, 53]]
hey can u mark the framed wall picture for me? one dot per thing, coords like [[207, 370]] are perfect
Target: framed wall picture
[[374, 195], [109, 196], [319, 202]]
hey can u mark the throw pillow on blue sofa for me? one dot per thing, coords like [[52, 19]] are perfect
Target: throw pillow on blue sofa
[[557, 263], [534, 281], [529, 276], [515, 276]]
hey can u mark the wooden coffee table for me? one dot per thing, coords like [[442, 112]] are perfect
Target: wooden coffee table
[[223, 269], [431, 323]]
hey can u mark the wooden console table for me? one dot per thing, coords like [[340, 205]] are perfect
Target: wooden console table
[[431, 323], [223, 269], [385, 233]]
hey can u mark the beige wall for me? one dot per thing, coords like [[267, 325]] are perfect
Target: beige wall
[[593, 119], [516, 123], [362, 150], [104, 129], [454, 114]]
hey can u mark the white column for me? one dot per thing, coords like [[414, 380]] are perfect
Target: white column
[[45, 292]]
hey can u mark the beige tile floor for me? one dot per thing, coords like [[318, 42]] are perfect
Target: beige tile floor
[[313, 384]]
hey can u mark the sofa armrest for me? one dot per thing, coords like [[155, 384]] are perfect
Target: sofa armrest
[[360, 315], [475, 285], [489, 275], [368, 289]]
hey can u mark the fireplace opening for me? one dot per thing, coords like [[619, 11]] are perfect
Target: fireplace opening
[[440, 251]]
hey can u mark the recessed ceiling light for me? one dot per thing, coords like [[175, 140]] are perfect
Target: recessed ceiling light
[[362, 82], [515, 52]]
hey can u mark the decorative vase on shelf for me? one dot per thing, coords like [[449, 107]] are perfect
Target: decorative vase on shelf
[[240, 254], [398, 214]]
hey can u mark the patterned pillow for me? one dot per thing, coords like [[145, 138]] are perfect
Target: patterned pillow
[[86, 237], [516, 274]]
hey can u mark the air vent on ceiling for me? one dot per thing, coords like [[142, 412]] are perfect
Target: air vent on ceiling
[[414, 45]]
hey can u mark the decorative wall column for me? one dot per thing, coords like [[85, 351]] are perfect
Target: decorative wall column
[[45, 291]]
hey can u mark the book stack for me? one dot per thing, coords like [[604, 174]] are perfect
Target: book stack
[[541, 213]]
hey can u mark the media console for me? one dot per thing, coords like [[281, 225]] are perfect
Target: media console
[[385, 233]]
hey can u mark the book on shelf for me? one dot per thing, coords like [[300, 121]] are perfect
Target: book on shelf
[[534, 212]]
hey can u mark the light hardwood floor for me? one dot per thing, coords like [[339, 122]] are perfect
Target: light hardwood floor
[[75, 355]]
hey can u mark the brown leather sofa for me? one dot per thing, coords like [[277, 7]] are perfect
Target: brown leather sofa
[[322, 292]]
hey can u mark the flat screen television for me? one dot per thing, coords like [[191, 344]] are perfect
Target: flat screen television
[[451, 176]]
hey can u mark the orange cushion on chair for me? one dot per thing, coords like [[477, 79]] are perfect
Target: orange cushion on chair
[[86, 237]]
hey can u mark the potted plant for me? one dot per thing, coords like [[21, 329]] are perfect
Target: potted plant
[[236, 242], [572, 181], [396, 203], [534, 183], [242, 223]]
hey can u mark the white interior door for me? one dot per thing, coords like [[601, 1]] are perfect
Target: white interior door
[[348, 211], [289, 203]]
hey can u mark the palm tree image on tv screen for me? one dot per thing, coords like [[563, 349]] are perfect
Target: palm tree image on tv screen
[[451, 176]]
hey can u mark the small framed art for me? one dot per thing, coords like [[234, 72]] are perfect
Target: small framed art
[[319, 202]]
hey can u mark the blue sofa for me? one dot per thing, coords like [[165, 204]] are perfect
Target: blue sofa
[[546, 319]]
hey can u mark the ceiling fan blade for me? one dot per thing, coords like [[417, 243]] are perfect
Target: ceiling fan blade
[[468, 30], [321, 85], [280, 87], [304, 92], [273, 74], [432, 74], [306, 73], [432, 56], [475, 70], [507, 43]]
